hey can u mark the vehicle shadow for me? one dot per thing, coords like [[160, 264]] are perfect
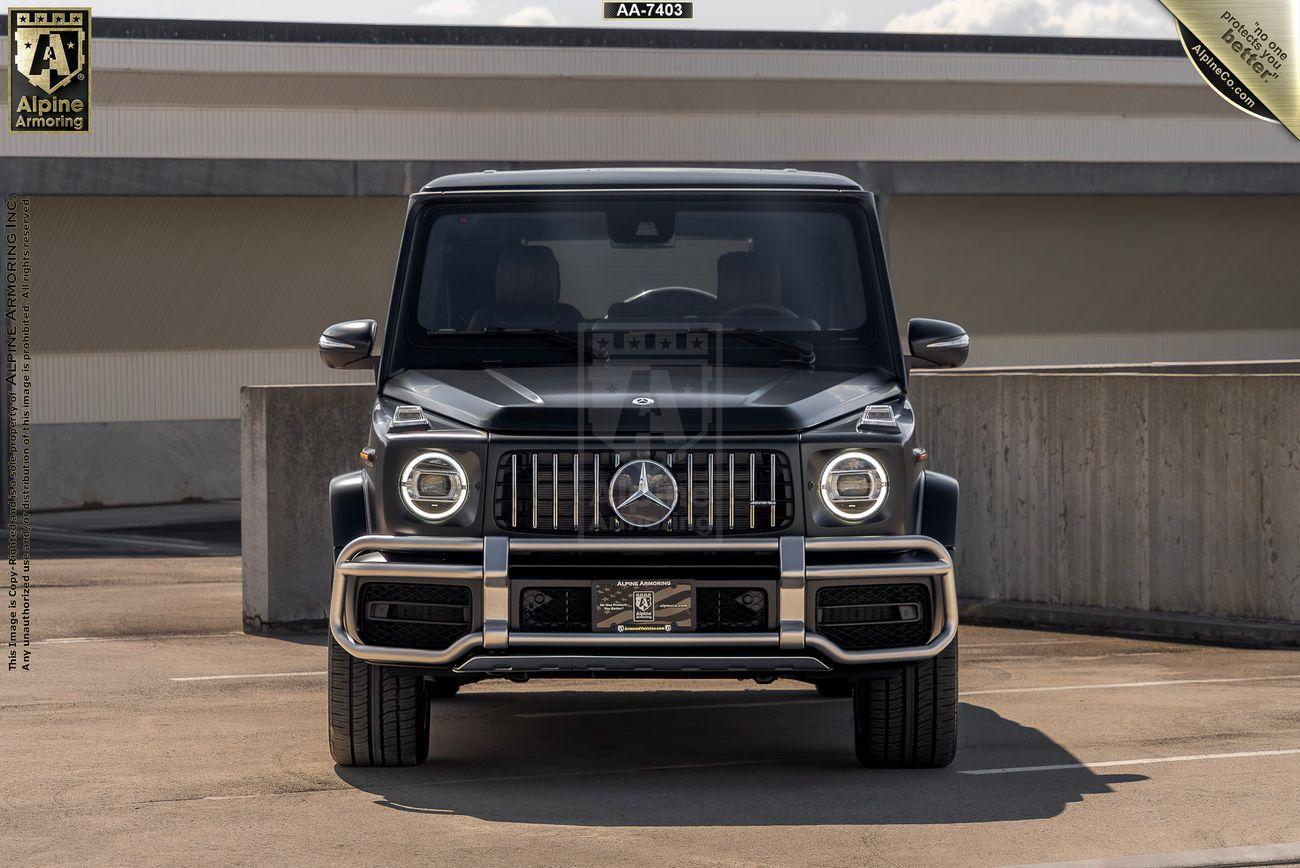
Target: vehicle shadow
[[711, 758]]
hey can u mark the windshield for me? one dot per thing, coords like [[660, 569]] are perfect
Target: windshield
[[741, 281]]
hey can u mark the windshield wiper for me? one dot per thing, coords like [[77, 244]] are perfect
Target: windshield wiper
[[806, 355], [555, 338]]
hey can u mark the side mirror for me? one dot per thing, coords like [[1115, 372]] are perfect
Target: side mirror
[[937, 343], [347, 345]]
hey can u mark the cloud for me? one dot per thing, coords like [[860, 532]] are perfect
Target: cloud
[[531, 16], [837, 20], [1132, 18], [442, 10]]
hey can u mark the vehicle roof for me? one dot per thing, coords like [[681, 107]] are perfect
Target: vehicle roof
[[597, 178]]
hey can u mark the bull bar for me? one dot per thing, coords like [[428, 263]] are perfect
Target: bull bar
[[371, 556]]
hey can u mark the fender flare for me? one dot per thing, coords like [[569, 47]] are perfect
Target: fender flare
[[938, 512], [347, 508]]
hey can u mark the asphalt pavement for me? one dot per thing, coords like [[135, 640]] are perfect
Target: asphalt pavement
[[151, 731]]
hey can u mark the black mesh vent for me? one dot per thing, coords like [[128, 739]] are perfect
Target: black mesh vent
[[555, 610], [730, 610], [409, 615], [556, 510], [568, 609], [838, 606]]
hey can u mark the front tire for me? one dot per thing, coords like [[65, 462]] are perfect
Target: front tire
[[907, 717], [376, 718]]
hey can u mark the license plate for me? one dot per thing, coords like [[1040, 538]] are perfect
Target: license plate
[[642, 606]]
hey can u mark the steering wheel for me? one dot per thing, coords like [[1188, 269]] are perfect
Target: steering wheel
[[761, 309], [673, 301]]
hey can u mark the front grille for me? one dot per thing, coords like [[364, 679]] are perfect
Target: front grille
[[730, 610], [874, 616], [718, 492], [410, 615], [555, 610], [568, 609]]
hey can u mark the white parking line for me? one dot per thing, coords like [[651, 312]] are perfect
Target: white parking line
[[1124, 684], [1007, 658], [1132, 762], [78, 640], [1251, 854], [969, 646], [254, 675]]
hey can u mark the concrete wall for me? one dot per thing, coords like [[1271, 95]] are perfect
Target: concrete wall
[[1150, 493], [123, 463], [169, 304], [394, 94], [1153, 502], [164, 307], [208, 273], [1101, 279], [293, 439]]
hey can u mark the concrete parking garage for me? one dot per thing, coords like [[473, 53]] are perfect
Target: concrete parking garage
[[157, 732]]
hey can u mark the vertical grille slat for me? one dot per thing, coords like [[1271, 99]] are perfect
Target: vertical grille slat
[[731, 490], [710, 489], [752, 482], [534, 491], [567, 495], [514, 491], [772, 497], [668, 525], [690, 490]]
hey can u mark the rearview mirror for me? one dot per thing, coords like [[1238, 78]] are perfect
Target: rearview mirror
[[347, 345], [937, 343]]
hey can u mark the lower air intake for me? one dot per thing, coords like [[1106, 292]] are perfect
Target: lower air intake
[[875, 616], [730, 610], [555, 610], [410, 615]]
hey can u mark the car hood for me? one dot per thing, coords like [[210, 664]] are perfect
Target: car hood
[[611, 399]]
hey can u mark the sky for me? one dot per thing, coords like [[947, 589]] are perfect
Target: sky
[[1131, 18]]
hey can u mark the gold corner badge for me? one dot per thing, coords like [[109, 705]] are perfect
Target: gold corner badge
[[1245, 50], [49, 70]]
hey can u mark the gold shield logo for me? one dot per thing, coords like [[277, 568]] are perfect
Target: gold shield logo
[[50, 48], [49, 70]]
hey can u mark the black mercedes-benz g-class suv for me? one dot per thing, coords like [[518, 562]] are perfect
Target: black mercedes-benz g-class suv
[[643, 422]]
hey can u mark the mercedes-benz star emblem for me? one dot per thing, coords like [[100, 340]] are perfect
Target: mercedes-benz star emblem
[[643, 401], [643, 492]]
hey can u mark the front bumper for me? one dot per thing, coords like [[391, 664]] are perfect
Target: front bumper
[[495, 648]]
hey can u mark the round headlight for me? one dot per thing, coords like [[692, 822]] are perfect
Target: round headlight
[[854, 485], [433, 486]]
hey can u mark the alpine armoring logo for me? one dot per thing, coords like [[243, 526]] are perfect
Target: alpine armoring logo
[[49, 73]]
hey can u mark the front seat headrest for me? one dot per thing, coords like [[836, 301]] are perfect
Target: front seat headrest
[[748, 278], [527, 293], [528, 281]]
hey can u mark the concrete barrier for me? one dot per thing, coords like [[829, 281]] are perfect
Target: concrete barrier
[[132, 463], [1165, 503], [293, 440], [1161, 503]]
